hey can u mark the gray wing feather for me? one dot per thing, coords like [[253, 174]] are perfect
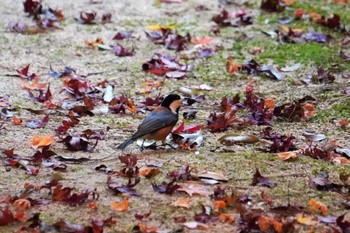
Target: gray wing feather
[[155, 121]]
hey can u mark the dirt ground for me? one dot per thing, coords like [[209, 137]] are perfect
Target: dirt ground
[[66, 47]]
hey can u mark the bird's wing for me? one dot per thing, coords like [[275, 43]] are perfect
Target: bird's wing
[[155, 121]]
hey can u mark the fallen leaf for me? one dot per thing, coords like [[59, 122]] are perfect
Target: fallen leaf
[[190, 190], [42, 141], [182, 203], [305, 220], [228, 218], [17, 120], [343, 123], [316, 205], [288, 155], [232, 66], [232, 138], [202, 41], [120, 206], [195, 225], [149, 172], [22, 204]]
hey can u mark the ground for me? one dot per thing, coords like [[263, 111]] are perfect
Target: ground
[[66, 47]]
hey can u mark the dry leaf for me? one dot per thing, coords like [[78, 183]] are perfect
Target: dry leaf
[[202, 41], [157, 27], [228, 218], [145, 229], [341, 160], [149, 172], [343, 123], [269, 103], [219, 204], [190, 190], [315, 205], [92, 205], [43, 141], [22, 204], [182, 203], [17, 120], [305, 220], [194, 225], [288, 155], [232, 66], [122, 206]]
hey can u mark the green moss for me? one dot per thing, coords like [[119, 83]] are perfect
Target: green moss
[[281, 54], [335, 111]]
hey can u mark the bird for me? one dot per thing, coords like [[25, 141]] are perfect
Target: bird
[[159, 123]]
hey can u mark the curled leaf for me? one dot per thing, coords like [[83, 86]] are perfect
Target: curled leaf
[[231, 139]]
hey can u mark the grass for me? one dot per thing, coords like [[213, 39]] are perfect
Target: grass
[[335, 111], [281, 54]]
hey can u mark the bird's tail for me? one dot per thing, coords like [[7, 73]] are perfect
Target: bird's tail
[[125, 144]]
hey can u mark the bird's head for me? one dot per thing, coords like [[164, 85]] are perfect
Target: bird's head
[[173, 102]]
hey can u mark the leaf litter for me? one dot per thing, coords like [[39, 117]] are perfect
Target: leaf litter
[[76, 111]]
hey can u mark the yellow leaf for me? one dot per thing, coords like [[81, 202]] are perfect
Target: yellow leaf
[[305, 220], [289, 2], [122, 206], [157, 27]]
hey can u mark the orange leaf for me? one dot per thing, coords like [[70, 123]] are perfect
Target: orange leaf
[[277, 226], [315, 205], [43, 141], [264, 223], [305, 220], [341, 160], [145, 90], [94, 44], [149, 172], [309, 107], [288, 155], [92, 205], [17, 120], [146, 229], [232, 66], [298, 14], [219, 204], [131, 106], [152, 83], [21, 204], [227, 218], [20, 216], [289, 2], [343, 123], [35, 84], [203, 40], [315, 16], [182, 203], [269, 103], [122, 206]]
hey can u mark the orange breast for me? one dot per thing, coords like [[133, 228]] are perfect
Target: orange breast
[[159, 135]]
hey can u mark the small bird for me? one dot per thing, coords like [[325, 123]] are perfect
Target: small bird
[[159, 123]]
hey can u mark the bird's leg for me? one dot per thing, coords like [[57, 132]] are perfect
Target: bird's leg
[[142, 146]]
